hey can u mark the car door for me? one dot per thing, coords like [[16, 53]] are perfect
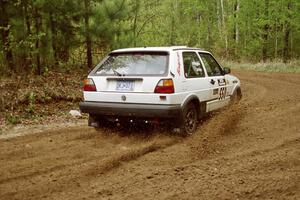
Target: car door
[[218, 88], [195, 81]]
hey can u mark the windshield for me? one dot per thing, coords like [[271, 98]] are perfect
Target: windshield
[[134, 63]]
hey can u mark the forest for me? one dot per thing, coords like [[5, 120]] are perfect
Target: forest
[[38, 36]]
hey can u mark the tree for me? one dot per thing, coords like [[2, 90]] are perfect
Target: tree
[[5, 32], [87, 33], [38, 26], [236, 35], [287, 31], [265, 31]]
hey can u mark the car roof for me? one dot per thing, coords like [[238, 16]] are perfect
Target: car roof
[[167, 49]]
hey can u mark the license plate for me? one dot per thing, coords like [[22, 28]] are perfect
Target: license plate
[[125, 85]]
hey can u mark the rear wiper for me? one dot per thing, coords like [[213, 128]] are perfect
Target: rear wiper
[[117, 73]]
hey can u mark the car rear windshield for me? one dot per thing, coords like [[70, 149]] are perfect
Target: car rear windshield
[[135, 64]]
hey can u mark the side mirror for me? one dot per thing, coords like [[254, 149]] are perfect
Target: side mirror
[[226, 70]]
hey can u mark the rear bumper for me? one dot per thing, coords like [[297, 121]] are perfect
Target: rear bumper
[[131, 110]]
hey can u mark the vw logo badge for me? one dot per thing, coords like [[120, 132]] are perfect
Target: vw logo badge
[[123, 97]]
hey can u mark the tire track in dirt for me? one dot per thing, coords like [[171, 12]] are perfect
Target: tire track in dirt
[[87, 168], [131, 155]]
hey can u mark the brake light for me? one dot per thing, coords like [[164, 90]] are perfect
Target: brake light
[[165, 86], [89, 85]]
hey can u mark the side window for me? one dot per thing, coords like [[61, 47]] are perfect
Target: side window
[[211, 65], [192, 65]]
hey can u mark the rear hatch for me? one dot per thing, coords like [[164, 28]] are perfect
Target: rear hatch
[[134, 74]]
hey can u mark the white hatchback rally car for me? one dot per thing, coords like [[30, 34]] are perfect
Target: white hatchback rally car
[[178, 84]]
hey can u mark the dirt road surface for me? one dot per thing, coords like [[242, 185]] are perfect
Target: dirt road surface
[[248, 151]]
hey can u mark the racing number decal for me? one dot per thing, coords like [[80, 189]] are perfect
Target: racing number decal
[[223, 90], [222, 94]]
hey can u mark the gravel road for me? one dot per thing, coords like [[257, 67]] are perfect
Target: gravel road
[[248, 151]]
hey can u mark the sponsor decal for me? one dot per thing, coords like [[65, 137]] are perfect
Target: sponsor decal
[[221, 82], [178, 63]]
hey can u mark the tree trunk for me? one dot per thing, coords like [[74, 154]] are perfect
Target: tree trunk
[[28, 30], [5, 31], [276, 39], [37, 17], [265, 35], [54, 38], [208, 38], [219, 17], [236, 28], [87, 34], [173, 25], [224, 28], [286, 49], [136, 11]]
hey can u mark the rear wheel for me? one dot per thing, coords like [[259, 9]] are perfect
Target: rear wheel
[[190, 120], [98, 121]]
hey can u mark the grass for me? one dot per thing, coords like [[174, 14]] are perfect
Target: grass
[[290, 67]]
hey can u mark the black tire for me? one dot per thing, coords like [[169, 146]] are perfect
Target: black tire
[[236, 96], [190, 120], [98, 122], [233, 98]]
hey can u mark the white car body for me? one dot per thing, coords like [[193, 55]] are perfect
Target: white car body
[[212, 91]]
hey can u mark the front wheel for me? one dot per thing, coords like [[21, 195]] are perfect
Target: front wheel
[[236, 96], [190, 120]]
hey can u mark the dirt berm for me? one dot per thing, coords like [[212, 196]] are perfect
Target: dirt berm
[[248, 151]]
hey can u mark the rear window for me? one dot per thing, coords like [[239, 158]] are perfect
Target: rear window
[[135, 63]]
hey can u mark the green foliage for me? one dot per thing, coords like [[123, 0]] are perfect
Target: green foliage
[[44, 35], [31, 97], [108, 23], [13, 119]]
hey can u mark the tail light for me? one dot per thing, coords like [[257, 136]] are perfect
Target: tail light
[[89, 85], [165, 86]]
